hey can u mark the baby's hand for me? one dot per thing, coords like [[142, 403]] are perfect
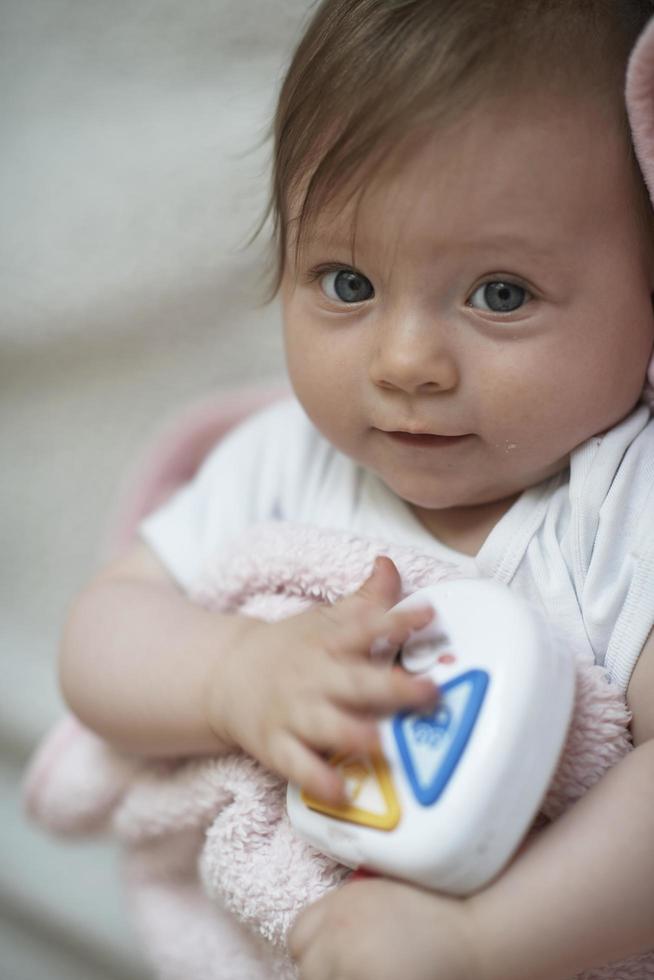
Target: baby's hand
[[385, 929], [292, 692]]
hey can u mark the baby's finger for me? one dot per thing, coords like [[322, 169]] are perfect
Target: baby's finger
[[398, 626], [374, 630], [381, 691], [383, 585], [297, 763], [380, 591], [330, 728]]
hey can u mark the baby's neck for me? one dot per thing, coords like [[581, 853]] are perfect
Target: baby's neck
[[464, 528]]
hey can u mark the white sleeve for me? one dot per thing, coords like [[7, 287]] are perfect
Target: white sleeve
[[242, 481], [615, 543]]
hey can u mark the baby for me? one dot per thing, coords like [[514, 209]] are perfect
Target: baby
[[465, 254]]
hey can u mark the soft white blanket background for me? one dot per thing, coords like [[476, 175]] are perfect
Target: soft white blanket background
[[131, 175]]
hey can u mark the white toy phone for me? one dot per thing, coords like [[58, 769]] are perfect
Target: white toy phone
[[453, 792]]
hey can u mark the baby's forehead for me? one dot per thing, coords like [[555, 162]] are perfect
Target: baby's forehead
[[513, 172]]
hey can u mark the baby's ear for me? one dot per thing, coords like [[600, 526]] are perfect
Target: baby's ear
[[639, 93]]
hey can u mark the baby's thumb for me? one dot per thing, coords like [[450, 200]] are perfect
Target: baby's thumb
[[383, 585]]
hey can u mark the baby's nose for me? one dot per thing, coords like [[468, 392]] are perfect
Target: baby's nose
[[409, 356]]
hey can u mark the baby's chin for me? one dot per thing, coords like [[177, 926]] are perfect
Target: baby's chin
[[437, 498], [457, 493]]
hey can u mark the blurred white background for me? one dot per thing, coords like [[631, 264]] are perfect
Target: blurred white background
[[132, 173]]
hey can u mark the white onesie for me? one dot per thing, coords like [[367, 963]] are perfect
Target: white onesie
[[580, 545]]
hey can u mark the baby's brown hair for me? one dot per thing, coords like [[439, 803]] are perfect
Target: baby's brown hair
[[368, 73]]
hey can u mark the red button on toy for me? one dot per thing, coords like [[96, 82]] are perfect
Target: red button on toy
[[447, 658], [362, 873]]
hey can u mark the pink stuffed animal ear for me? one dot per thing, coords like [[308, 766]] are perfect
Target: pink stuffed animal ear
[[640, 102], [640, 108]]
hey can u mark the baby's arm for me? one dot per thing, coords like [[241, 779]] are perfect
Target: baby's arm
[[135, 659], [582, 894], [157, 675]]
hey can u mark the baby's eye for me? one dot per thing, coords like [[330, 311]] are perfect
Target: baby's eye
[[346, 286], [499, 297]]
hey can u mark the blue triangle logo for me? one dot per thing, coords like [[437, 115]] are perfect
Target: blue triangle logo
[[430, 746]]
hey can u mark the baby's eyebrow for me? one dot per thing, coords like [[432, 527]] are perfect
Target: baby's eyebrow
[[326, 240], [524, 245], [533, 246]]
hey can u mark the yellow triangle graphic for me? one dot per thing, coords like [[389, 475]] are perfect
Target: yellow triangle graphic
[[365, 777]]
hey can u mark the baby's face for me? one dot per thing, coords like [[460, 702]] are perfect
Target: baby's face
[[500, 299]]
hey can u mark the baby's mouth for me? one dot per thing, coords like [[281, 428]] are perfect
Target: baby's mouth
[[426, 439]]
